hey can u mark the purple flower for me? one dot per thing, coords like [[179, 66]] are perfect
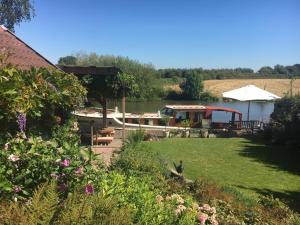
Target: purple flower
[[65, 163], [22, 122], [89, 189], [18, 189]]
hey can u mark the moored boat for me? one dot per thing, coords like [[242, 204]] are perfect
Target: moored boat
[[169, 117]]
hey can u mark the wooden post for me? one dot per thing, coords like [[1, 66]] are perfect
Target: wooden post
[[92, 133], [123, 111], [232, 119], [104, 113], [248, 111]]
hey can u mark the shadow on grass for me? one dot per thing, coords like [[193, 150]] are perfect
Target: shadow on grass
[[274, 156], [291, 198]]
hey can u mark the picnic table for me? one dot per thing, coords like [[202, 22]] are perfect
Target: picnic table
[[105, 136]]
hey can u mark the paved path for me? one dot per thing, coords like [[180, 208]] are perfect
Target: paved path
[[107, 151]]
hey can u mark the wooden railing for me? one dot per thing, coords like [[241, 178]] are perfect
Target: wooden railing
[[237, 125], [251, 124]]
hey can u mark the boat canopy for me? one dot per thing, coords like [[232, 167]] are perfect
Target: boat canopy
[[201, 108]]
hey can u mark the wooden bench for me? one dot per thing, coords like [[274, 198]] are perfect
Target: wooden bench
[[107, 132], [103, 140]]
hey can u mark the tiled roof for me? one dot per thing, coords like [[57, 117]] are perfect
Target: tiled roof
[[19, 53]]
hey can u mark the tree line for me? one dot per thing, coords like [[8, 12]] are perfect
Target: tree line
[[278, 71]]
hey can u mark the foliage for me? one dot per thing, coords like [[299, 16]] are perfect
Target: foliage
[[139, 162], [103, 88], [67, 60], [40, 94], [130, 193], [192, 86], [134, 139], [123, 84], [145, 75], [39, 210], [278, 71], [13, 12], [285, 124], [46, 208], [27, 162]]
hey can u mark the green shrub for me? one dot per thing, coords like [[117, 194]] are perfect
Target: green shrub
[[285, 124], [46, 208], [134, 139], [40, 95], [142, 163], [25, 163]]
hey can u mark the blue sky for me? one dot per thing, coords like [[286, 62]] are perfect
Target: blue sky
[[170, 33]]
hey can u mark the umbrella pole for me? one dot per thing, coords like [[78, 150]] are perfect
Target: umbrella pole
[[248, 111]]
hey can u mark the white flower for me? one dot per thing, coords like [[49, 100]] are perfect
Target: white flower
[[13, 158], [6, 146]]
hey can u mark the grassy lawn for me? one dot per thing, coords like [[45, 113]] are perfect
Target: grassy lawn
[[249, 165]]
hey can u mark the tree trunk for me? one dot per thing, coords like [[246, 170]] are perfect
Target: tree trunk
[[103, 102], [123, 112]]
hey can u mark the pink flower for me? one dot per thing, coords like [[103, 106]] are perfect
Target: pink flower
[[159, 199], [65, 163], [18, 189], [13, 158], [62, 187], [202, 218], [79, 171], [54, 176], [89, 189]]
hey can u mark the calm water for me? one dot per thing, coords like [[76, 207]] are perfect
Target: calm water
[[258, 110]]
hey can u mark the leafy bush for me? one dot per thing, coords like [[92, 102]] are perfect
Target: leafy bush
[[134, 139], [285, 124], [39, 95], [27, 162], [141, 163], [46, 208], [235, 208]]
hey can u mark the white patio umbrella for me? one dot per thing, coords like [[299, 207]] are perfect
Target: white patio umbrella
[[250, 93]]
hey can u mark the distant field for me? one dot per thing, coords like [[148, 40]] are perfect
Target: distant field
[[277, 86]]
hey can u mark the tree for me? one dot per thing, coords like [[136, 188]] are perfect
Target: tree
[[103, 88], [279, 69], [67, 60], [286, 121], [13, 12], [192, 86], [145, 75], [266, 70]]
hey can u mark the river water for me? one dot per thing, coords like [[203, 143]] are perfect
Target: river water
[[258, 110]]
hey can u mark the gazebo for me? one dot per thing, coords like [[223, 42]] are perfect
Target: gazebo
[[96, 72]]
